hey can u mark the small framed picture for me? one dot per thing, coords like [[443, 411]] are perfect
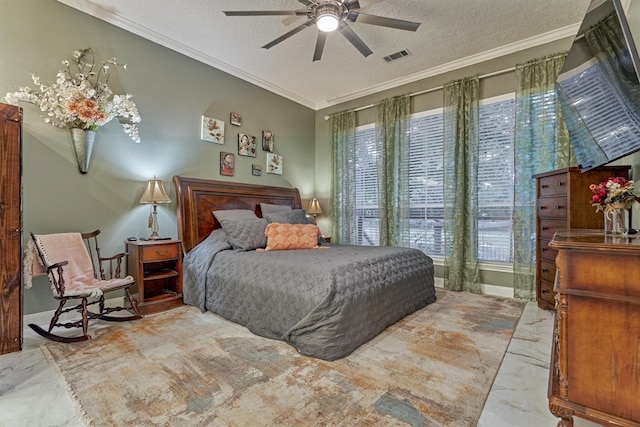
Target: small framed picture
[[256, 170], [246, 145], [227, 162], [267, 141], [274, 163], [212, 130], [236, 119]]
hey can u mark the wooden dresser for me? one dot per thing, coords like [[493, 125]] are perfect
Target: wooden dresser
[[10, 228], [595, 361], [563, 203]]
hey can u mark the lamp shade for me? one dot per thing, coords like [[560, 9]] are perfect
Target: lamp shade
[[154, 193], [314, 207]]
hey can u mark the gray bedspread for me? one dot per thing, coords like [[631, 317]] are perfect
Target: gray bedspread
[[324, 302]]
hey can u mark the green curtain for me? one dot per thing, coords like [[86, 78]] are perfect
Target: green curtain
[[343, 200], [392, 139], [461, 143], [606, 41], [541, 144]]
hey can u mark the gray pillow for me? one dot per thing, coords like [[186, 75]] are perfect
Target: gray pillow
[[294, 216], [267, 208], [234, 214], [245, 234]]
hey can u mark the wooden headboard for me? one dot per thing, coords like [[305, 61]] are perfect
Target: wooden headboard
[[197, 198]]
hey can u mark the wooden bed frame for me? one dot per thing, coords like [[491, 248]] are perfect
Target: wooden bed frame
[[197, 198]]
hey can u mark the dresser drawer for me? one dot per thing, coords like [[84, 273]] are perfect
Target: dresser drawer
[[160, 252], [552, 207], [548, 270], [546, 252], [552, 185], [548, 227], [546, 292]]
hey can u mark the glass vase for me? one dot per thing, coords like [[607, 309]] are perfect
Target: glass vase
[[615, 222]]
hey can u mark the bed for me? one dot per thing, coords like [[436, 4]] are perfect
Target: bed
[[325, 302]]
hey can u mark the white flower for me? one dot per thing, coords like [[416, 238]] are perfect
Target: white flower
[[81, 99]]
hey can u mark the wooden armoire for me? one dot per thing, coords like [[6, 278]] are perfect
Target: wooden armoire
[[10, 228]]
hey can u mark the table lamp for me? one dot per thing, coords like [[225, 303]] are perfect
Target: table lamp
[[314, 208], [154, 193]]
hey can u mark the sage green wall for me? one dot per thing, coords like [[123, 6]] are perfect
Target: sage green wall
[[171, 91]]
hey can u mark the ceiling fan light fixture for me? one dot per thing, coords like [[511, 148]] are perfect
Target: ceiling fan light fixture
[[328, 17]]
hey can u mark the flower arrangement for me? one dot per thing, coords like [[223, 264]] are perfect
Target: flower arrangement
[[81, 98], [614, 193]]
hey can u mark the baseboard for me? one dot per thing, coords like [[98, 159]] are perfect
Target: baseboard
[[499, 291]]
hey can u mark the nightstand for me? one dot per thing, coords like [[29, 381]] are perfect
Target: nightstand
[[156, 266]]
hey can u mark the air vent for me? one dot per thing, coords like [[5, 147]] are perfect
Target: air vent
[[397, 55]]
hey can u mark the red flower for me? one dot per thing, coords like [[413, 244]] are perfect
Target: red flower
[[614, 191]]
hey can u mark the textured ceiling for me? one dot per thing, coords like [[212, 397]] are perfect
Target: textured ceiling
[[454, 33]]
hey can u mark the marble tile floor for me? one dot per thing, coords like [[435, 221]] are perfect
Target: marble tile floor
[[32, 394]]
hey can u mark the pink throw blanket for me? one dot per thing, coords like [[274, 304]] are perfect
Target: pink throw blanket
[[78, 273]]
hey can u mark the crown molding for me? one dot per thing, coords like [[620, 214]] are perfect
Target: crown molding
[[148, 34], [551, 36]]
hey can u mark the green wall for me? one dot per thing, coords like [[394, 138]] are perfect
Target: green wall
[[171, 91]]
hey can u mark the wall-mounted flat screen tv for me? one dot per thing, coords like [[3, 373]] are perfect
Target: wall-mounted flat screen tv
[[599, 85]]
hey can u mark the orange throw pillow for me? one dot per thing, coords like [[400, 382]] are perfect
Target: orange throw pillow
[[291, 236]]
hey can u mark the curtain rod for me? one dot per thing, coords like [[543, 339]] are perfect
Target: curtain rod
[[433, 89]]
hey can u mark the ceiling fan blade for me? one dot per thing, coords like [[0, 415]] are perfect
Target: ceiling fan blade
[[382, 21], [322, 37], [305, 2], [352, 4], [288, 34], [264, 12], [356, 41]]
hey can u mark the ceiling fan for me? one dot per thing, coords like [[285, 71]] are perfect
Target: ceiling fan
[[331, 15]]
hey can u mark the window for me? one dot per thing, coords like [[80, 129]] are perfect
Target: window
[[426, 182], [495, 181]]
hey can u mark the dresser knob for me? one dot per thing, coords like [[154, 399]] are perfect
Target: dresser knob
[[543, 207], [544, 186], [559, 207], [560, 184], [545, 228], [163, 253], [545, 270], [543, 291]]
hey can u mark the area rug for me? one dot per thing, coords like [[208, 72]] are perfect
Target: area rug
[[187, 368]]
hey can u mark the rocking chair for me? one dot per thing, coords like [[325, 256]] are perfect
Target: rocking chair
[[76, 270]]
